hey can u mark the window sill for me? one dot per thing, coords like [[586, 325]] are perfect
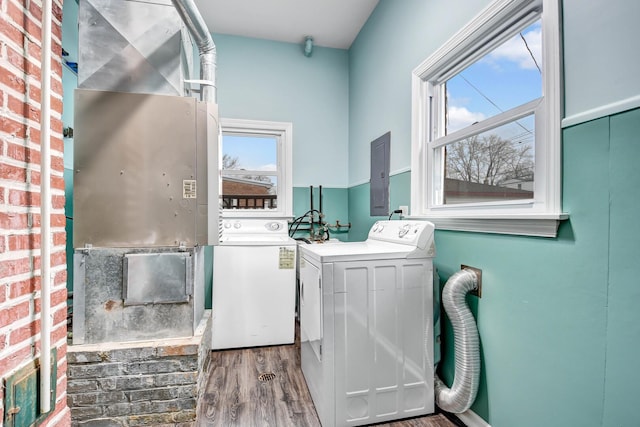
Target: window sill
[[541, 225]]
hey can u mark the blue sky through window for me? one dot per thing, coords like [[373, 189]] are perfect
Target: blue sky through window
[[505, 78], [253, 152]]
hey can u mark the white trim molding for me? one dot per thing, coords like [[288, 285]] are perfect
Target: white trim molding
[[602, 111], [530, 225], [471, 419], [283, 131], [538, 216]]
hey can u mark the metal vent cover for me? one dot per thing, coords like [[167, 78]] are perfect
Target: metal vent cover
[[266, 377]]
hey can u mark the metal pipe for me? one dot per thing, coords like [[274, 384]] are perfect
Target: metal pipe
[[45, 210], [320, 203], [463, 392], [311, 209], [194, 22]]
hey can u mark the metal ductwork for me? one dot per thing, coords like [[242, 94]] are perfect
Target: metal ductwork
[[132, 47], [206, 48], [463, 392]]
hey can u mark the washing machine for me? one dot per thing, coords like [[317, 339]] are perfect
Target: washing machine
[[366, 325], [254, 284]]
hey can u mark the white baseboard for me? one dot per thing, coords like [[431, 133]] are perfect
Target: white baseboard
[[471, 419]]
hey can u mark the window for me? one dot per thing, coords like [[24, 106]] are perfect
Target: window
[[256, 168], [486, 124]]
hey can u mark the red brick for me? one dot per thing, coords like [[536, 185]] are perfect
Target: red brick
[[24, 333], [23, 154], [17, 358], [62, 352], [56, 103], [21, 242], [3, 248], [11, 31], [60, 277], [11, 80], [13, 314], [58, 258], [31, 27], [13, 127], [15, 12], [13, 267], [16, 58], [57, 163], [60, 315], [13, 173], [57, 183], [13, 221], [35, 93], [58, 201], [23, 198], [59, 333], [17, 106], [3, 340], [60, 238], [24, 287], [58, 220], [56, 125], [35, 10], [57, 143]]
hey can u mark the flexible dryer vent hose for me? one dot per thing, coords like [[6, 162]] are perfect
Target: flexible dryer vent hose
[[463, 392]]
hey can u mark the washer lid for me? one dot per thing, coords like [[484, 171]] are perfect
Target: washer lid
[[357, 251]]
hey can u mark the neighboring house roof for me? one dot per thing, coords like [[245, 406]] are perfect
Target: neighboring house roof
[[250, 181]]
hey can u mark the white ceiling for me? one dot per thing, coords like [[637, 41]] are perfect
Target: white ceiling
[[331, 23]]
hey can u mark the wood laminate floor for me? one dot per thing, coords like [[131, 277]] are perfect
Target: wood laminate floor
[[235, 397]]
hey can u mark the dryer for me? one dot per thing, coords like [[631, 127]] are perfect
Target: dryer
[[366, 324]]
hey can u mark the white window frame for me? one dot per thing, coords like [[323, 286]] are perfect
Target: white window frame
[[491, 27], [283, 133]]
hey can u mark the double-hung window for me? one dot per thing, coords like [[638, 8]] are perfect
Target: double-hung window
[[486, 124], [256, 168]]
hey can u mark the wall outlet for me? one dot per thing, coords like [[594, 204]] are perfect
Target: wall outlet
[[404, 209]]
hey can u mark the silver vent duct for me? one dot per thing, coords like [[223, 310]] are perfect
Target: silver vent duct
[[130, 46], [463, 392], [207, 49]]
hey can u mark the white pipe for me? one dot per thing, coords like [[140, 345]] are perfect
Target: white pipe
[[45, 210], [463, 392], [192, 19]]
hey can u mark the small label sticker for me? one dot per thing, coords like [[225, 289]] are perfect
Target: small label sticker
[[189, 189], [287, 259]]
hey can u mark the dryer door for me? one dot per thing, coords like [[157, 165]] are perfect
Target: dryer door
[[311, 306]]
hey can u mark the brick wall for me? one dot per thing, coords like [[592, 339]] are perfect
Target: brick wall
[[20, 239], [146, 383]]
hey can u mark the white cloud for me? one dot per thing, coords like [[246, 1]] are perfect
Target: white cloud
[[460, 117], [269, 167], [514, 50]]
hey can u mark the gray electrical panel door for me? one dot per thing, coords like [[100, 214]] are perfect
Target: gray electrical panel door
[[379, 184]]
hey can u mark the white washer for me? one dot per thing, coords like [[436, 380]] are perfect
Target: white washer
[[366, 322], [254, 282]]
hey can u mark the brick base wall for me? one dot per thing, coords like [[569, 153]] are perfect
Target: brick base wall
[[139, 383]]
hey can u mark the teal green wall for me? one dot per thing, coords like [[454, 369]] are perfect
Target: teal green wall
[[69, 83], [623, 292], [335, 208], [266, 80], [396, 38], [559, 332]]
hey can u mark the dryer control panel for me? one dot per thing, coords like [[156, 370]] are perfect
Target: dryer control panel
[[407, 232]]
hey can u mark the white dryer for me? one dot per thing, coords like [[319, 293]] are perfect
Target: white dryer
[[366, 322]]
